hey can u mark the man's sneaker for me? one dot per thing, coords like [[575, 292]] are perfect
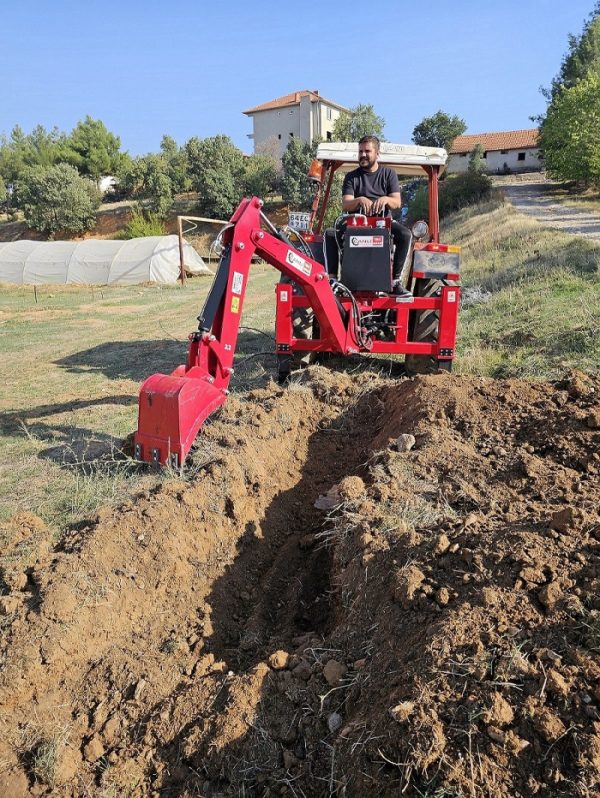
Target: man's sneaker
[[399, 290]]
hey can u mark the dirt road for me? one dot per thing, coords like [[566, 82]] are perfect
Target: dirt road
[[534, 198]]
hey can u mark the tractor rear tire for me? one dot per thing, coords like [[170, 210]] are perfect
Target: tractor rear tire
[[424, 329]]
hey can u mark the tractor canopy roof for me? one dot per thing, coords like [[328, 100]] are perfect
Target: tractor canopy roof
[[405, 159]]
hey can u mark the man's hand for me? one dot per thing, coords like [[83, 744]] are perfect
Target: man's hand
[[379, 205], [365, 205]]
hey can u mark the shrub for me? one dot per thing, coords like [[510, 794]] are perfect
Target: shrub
[[464, 189], [56, 198], [455, 192], [260, 175], [418, 206], [142, 224]]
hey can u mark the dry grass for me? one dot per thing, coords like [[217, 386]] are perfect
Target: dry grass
[[41, 751], [539, 289], [571, 196], [74, 356], [68, 399]]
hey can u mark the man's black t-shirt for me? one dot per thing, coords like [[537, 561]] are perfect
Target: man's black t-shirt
[[372, 185]]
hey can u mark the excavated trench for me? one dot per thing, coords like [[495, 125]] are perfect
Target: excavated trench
[[201, 640], [280, 577], [206, 578]]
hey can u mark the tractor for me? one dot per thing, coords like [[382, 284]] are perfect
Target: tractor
[[337, 294]]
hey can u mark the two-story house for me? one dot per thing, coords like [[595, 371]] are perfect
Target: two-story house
[[303, 114]]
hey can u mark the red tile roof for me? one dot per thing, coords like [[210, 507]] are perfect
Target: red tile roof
[[507, 140], [293, 99]]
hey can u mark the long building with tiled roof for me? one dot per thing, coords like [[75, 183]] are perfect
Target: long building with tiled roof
[[504, 151], [305, 115]]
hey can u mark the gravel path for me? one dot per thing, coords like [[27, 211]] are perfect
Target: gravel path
[[533, 198]]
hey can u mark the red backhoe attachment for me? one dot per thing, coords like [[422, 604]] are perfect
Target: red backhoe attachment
[[172, 408], [351, 291]]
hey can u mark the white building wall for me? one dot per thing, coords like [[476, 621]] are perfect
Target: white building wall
[[327, 116], [307, 121], [277, 123], [497, 161]]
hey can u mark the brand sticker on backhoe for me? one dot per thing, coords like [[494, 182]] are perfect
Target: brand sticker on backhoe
[[366, 241], [237, 283], [235, 304], [298, 263]]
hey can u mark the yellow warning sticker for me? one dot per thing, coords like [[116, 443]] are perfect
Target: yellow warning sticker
[[235, 304]]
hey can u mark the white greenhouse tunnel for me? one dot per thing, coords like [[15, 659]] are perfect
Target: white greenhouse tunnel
[[137, 260]]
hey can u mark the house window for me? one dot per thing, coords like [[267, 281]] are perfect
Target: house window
[[503, 152], [463, 155], [484, 154], [329, 135], [521, 156], [279, 135], [291, 135], [329, 113]]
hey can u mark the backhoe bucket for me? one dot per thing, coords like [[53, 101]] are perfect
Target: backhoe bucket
[[171, 410]]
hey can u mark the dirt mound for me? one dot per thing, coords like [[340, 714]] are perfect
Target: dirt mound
[[433, 623]]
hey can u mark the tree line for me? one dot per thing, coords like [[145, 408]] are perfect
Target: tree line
[[53, 177]]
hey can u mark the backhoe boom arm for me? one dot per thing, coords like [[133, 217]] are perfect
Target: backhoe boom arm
[[173, 407]]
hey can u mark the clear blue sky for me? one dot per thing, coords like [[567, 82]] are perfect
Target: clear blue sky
[[190, 67]]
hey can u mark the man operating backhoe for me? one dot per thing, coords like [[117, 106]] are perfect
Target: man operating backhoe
[[373, 189]]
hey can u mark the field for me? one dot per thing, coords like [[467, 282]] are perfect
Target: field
[[429, 626]]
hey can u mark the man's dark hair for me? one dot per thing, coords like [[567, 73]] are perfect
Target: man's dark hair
[[370, 139]]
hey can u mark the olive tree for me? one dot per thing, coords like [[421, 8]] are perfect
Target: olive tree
[[296, 188], [57, 198], [216, 168], [260, 175]]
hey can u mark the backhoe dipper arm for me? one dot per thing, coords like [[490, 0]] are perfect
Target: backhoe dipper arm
[[173, 407]]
